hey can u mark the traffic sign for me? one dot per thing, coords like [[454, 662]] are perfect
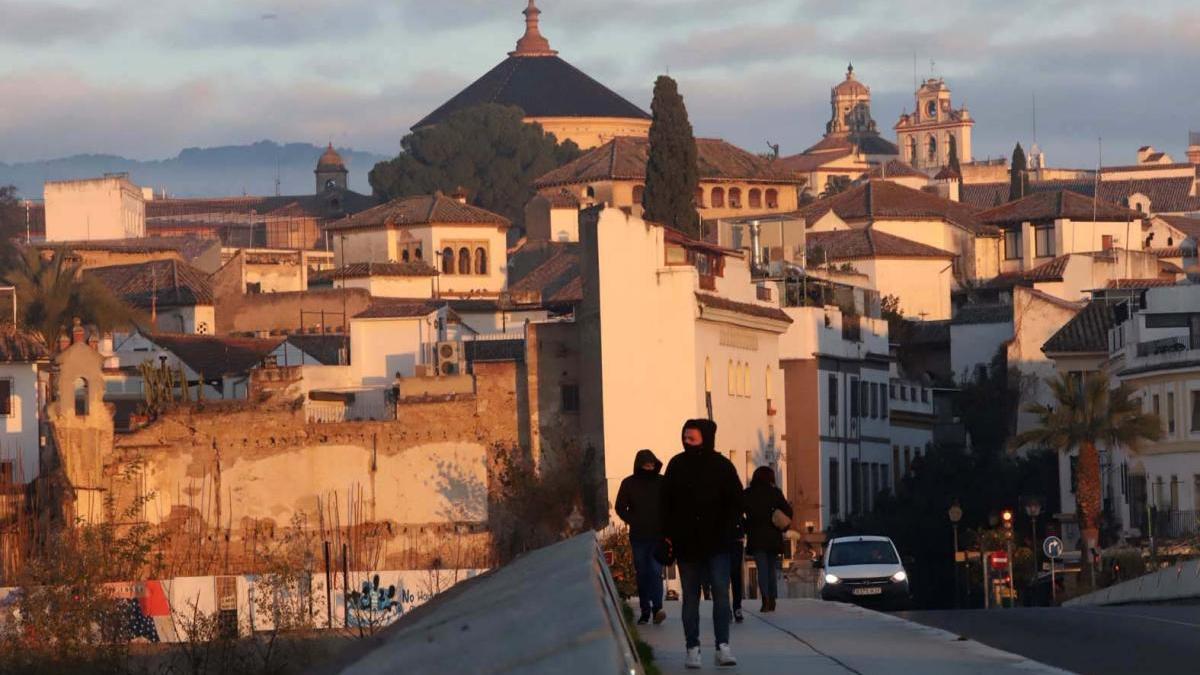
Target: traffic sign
[[1053, 547], [999, 560]]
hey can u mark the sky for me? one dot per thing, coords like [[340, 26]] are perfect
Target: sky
[[146, 78]]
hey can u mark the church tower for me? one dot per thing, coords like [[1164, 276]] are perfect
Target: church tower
[[926, 135], [331, 171]]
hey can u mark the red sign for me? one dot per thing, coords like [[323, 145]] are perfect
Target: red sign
[[998, 560], [609, 558]]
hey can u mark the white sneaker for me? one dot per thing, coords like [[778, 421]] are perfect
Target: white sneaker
[[724, 656], [692, 660]]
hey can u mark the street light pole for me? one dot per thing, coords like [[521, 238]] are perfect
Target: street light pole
[[955, 513], [1033, 508]]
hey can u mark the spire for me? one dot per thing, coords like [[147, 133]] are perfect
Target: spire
[[850, 71], [532, 43]]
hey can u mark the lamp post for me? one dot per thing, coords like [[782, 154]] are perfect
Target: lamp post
[[1033, 509], [955, 513]]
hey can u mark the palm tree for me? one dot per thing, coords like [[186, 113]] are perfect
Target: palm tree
[[51, 293], [1085, 414]]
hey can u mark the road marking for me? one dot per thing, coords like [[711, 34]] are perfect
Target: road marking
[[1136, 616]]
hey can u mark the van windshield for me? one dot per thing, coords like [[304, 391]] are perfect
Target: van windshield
[[862, 553]]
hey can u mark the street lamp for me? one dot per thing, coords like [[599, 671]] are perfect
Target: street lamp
[[1033, 509], [955, 513]]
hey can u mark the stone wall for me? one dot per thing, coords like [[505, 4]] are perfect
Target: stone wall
[[239, 312]]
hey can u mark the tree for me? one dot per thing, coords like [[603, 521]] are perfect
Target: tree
[[51, 293], [489, 150], [835, 185], [11, 223], [1016, 185], [1085, 414], [672, 172], [953, 157]]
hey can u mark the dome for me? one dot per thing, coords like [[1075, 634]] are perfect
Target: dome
[[850, 86], [330, 160]]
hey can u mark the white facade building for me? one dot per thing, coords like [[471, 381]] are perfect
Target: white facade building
[[20, 359], [97, 208]]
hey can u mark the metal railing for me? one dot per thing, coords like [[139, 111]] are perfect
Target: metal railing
[[1164, 346], [1166, 523]]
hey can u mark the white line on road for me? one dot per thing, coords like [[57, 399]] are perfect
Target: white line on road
[[1136, 616]]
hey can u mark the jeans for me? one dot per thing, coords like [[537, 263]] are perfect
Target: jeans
[[768, 570], [649, 574], [692, 573], [736, 556]]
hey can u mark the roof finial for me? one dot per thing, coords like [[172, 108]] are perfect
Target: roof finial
[[850, 71], [532, 43]]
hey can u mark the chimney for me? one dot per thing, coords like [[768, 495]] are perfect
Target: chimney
[[64, 340], [460, 195], [755, 247], [1193, 154], [1144, 152], [77, 332]]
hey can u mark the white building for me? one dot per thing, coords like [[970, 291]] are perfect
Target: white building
[[21, 356], [671, 329], [96, 208]]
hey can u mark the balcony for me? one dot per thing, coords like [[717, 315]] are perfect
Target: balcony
[[851, 328], [1165, 524], [708, 282], [1168, 345], [763, 293]]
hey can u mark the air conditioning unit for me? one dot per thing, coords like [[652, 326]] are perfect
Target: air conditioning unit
[[449, 357]]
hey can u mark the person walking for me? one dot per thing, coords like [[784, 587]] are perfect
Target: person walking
[[768, 515], [701, 504], [639, 505]]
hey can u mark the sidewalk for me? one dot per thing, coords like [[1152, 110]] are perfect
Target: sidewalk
[[815, 638]]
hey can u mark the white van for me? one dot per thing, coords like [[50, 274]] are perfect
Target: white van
[[863, 570]]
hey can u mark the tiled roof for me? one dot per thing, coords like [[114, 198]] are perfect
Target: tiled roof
[[1166, 251], [397, 308], [162, 283], [815, 157], [1171, 194], [896, 169], [334, 203], [867, 242], [1051, 270], [977, 313], [556, 280], [17, 346], [189, 248], [1047, 206], [882, 199], [1087, 331], [1189, 226], [561, 198], [1139, 283], [750, 309], [214, 357], [330, 160], [625, 157], [420, 210], [418, 268], [544, 86], [325, 348]]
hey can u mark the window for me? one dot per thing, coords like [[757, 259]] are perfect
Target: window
[[448, 260], [912, 149], [772, 198], [907, 459], [1106, 242], [404, 255], [835, 480], [481, 261], [570, 398], [1043, 241], [1174, 493], [81, 397], [464, 260], [1195, 410], [883, 403], [884, 478], [903, 393], [735, 198], [718, 198], [853, 397], [933, 149], [1012, 244], [1155, 407], [746, 380], [855, 486], [833, 396], [924, 396], [874, 401], [639, 193], [1170, 412], [6, 396], [733, 380], [755, 198], [892, 389]]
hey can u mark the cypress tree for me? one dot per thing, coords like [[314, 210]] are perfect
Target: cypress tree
[[672, 174], [1016, 185], [953, 156]]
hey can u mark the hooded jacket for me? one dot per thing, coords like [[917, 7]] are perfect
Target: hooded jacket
[[701, 498], [639, 498], [760, 501]]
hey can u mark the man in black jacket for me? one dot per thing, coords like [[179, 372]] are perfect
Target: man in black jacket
[[701, 505], [638, 504]]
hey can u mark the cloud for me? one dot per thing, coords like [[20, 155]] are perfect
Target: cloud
[[40, 22]]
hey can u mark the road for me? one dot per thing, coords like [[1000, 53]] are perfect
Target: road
[[1159, 639]]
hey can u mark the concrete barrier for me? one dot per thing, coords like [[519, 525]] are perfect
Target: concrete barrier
[[1180, 581], [555, 610]]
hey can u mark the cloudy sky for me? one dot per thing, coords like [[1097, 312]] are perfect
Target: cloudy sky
[[145, 78]]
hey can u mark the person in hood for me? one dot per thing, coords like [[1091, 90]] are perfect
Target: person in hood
[[639, 505], [764, 539], [701, 506]]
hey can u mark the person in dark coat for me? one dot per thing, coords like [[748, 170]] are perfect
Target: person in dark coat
[[701, 505], [639, 505], [764, 540]]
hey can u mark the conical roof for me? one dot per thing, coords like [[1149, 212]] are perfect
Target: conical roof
[[330, 160]]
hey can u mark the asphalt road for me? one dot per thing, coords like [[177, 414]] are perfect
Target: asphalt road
[[1158, 639]]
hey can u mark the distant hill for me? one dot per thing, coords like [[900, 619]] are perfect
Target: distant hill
[[200, 172]]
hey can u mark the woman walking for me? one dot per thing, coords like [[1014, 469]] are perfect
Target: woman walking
[[768, 515]]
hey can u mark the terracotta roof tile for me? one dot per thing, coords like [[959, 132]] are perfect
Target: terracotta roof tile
[[896, 169], [718, 302], [625, 157], [326, 348], [882, 199], [1169, 194], [397, 308], [1047, 206], [1187, 225], [1087, 331], [329, 204], [556, 280], [1139, 283], [420, 210], [214, 357], [164, 283], [858, 243], [418, 268], [1051, 270]]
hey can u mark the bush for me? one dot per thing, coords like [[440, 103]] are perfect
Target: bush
[[1121, 565], [616, 540]]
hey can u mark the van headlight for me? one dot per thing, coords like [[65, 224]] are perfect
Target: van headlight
[[900, 576], [832, 579]]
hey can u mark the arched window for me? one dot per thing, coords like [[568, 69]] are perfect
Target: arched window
[[447, 260], [464, 260], [590, 192], [735, 198], [912, 149], [746, 379], [718, 198], [418, 254], [81, 397], [707, 375], [404, 255], [767, 383], [933, 150], [755, 198], [732, 379], [480, 261], [772, 198], [639, 191], [699, 197]]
